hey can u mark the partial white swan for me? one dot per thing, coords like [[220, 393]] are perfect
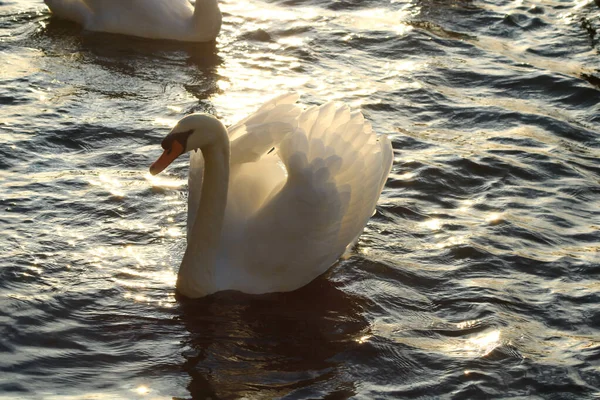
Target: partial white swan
[[274, 202], [153, 19]]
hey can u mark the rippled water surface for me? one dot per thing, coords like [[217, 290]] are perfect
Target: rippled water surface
[[477, 277]]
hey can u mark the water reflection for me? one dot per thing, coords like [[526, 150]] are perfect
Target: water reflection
[[273, 345], [117, 46], [494, 218], [93, 243], [108, 183], [480, 345], [124, 66], [433, 224], [164, 181], [456, 341], [142, 389]]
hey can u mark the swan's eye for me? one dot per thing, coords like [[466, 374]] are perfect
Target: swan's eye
[[181, 137]]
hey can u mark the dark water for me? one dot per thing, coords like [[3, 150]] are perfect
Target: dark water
[[477, 278]]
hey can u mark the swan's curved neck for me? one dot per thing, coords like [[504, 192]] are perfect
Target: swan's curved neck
[[207, 16], [206, 5], [196, 273]]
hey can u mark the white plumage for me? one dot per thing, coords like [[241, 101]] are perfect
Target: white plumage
[[153, 19], [290, 213]]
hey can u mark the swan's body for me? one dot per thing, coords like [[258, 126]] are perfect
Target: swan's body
[[268, 221], [153, 19]]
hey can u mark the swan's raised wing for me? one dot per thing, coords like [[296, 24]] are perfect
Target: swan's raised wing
[[336, 169], [258, 133], [250, 141], [282, 108]]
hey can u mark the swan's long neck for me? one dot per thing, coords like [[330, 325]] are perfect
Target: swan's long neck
[[207, 16], [196, 273]]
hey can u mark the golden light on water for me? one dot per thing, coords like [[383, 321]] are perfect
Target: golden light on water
[[138, 274], [404, 177], [136, 225], [108, 183], [466, 324], [434, 224], [261, 14], [364, 339], [467, 346], [143, 389], [292, 41], [477, 346], [176, 109], [377, 19], [141, 298], [43, 96], [161, 181], [494, 218], [454, 241], [250, 76], [256, 82], [15, 66], [168, 122], [171, 232], [466, 205], [131, 284], [483, 344]]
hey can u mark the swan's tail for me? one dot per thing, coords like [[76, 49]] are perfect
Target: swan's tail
[[73, 10]]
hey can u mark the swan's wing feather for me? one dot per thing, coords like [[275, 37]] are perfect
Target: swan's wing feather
[[336, 168], [282, 108], [257, 134], [258, 140]]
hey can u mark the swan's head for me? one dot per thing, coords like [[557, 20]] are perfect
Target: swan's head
[[192, 132]]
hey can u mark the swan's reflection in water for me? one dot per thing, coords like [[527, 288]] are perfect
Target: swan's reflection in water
[[203, 54], [273, 345], [111, 67]]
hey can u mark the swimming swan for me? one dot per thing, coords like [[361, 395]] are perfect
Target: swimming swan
[[276, 199], [153, 19]]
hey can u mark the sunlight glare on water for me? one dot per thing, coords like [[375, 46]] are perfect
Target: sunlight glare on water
[[476, 277]]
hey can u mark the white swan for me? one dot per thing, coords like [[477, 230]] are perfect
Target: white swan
[[276, 200], [153, 19]]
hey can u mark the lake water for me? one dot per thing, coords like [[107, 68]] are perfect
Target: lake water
[[477, 277]]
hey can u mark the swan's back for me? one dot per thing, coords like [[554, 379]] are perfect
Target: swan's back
[[335, 169], [149, 18], [154, 19]]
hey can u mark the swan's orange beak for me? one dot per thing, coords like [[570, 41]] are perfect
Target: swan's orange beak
[[167, 158]]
